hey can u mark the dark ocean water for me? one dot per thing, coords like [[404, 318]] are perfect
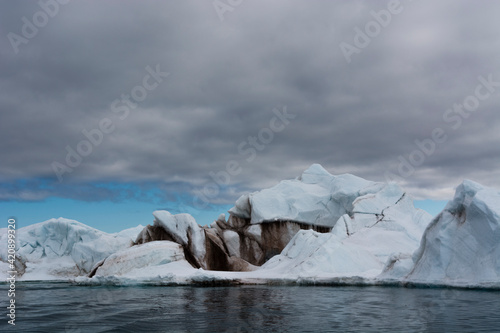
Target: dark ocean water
[[63, 307]]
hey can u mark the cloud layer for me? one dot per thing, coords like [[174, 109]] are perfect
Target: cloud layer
[[225, 79]]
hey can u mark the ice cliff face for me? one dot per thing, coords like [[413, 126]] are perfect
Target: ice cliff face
[[63, 248], [180, 228], [203, 247], [461, 246]]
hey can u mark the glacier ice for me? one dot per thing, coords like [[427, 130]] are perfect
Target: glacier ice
[[60, 248], [381, 224], [461, 246], [315, 228], [316, 198], [137, 257]]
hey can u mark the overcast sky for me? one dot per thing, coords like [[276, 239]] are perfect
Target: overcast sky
[[353, 102]]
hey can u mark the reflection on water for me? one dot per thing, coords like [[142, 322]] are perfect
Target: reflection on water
[[70, 308]]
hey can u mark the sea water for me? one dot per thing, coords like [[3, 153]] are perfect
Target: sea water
[[65, 307]]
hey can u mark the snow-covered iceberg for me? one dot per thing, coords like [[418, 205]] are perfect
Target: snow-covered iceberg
[[316, 197], [378, 226], [368, 216], [461, 246], [62, 248]]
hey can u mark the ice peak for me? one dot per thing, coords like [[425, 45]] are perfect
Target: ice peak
[[316, 169], [464, 194], [314, 174], [469, 186]]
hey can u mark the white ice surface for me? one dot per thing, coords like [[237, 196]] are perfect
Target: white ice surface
[[317, 198], [130, 233], [382, 222], [62, 248], [184, 229], [232, 241], [139, 256], [461, 246]]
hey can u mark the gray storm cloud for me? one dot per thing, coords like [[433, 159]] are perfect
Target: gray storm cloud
[[227, 76]]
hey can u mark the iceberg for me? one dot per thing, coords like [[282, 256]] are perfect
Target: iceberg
[[321, 225], [378, 226], [376, 217], [461, 246], [317, 228], [62, 248]]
